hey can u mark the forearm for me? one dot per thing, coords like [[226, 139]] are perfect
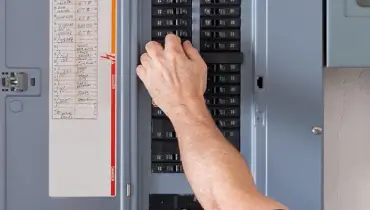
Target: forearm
[[215, 169]]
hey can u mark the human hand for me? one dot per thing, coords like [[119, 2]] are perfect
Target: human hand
[[174, 76]]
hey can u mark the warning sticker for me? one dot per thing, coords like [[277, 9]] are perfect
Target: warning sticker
[[82, 98]]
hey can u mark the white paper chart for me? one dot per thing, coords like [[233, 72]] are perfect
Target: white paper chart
[[75, 59], [82, 98]]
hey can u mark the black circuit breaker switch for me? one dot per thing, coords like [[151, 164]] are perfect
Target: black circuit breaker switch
[[167, 168], [228, 68], [161, 202], [220, 23], [161, 22], [165, 157], [210, 11], [161, 33], [220, 34], [226, 79], [225, 112], [163, 2], [224, 68], [228, 123], [222, 100], [157, 112], [226, 101], [233, 136], [171, 11], [220, 1], [225, 90], [220, 46]]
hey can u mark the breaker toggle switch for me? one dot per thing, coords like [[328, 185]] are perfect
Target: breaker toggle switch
[[220, 1], [161, 2], [220, 23], [221, 11], [171, 11], [162, 33], [170, 23]]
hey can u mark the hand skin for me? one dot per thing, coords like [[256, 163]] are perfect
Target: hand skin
[[176, 80]]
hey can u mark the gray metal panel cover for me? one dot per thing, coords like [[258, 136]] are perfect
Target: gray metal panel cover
[[289, 55], [24, 47], [348, 33]]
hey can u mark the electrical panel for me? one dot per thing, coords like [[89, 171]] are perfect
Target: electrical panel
[[73, 111], [347, 34]]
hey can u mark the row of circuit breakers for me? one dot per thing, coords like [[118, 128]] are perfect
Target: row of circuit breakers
[[220, 47]]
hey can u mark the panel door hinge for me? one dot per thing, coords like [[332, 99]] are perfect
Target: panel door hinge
[[128, 190]]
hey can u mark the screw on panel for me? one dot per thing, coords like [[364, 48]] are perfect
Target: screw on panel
[[317, 130]]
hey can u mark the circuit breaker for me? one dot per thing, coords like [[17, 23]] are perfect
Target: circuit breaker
[[79, 131]]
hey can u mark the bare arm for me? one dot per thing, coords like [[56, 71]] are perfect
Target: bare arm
[[175, 78]]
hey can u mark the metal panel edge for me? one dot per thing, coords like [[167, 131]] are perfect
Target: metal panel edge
[[124, 111], [2, 112], [143, 18]]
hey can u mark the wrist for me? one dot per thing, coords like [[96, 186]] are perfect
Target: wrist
[[192, 108]]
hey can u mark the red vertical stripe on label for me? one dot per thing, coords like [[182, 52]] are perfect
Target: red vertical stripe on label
[[113, 128]]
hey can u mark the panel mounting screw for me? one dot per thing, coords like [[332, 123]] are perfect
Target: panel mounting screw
[[316, 130]]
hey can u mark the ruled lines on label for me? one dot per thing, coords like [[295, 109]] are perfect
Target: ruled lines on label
[[75, 59]]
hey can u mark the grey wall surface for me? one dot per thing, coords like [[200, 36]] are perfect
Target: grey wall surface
[[347, 139]]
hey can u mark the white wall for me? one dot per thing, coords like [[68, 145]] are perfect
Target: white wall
[[347, 139]]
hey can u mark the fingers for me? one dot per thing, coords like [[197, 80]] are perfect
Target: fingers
[[141, 73], [154, 49], [191, 52], [145, 60], [173, 44]]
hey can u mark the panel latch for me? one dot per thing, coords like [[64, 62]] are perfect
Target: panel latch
[[14, 81]]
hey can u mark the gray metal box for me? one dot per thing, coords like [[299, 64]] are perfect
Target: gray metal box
[[347, 33], [281, 43]]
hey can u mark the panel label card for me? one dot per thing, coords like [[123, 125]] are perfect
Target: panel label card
[[82, 98]]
